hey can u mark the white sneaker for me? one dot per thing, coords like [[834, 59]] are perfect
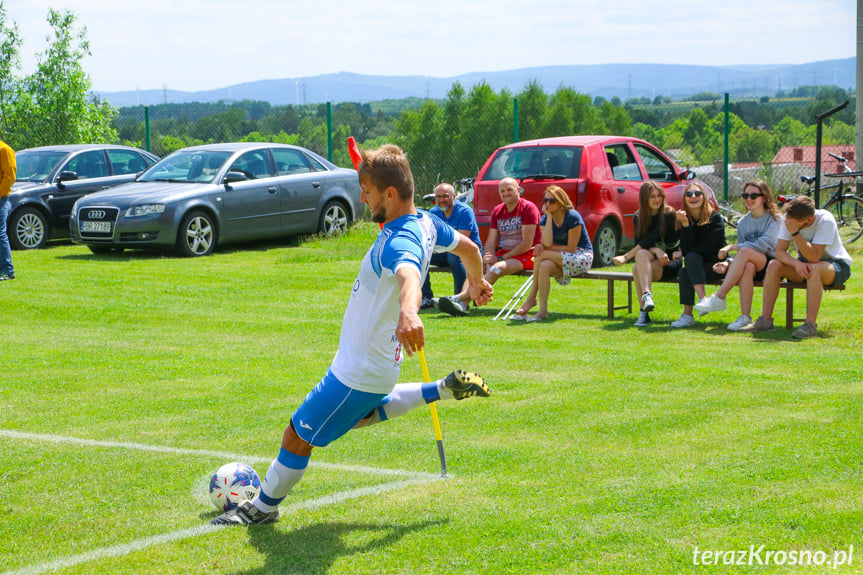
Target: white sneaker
[[684, 321], [709, 304], [647, 302], [741, 321]]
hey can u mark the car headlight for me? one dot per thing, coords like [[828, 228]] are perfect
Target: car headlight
[[144, 210]]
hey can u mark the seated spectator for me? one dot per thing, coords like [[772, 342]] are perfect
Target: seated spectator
[[565, 251], [515, 224], [460, 217], [756, 242], [656, 251], [821, 261], [702, 235]]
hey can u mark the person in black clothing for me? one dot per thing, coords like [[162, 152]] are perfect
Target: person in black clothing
[[702, 236], [657, 246]]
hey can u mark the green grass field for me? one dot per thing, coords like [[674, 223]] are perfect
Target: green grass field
[[125, 381]]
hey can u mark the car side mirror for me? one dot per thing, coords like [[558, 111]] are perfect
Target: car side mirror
[[65, 176], [687, 175], [232, 177]]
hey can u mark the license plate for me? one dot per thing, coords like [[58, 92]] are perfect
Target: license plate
[[96, 227]]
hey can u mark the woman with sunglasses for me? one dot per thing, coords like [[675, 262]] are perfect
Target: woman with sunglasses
[[757, 232], [702, 236], [657, 246], [564, 252]]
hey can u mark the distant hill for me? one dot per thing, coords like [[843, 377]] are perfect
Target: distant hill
[[607, 80]]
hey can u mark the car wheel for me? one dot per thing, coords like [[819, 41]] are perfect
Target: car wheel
[[334, 219], [197, 235], [28, 229], [606, 244]]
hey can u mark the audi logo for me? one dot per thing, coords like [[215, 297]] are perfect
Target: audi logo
[[96, 214]]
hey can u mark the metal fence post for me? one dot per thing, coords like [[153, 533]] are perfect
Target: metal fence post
[[726, 157], [147, 128], [330, 131], [515, 119], [819, 121]]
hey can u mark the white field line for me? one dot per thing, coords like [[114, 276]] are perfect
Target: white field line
[[222, 455], [141, 544], [123, 549]]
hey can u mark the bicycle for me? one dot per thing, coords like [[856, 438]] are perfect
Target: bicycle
[[464, 195], [729, 215], [846, 207]]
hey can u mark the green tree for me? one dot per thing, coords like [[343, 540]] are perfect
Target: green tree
[[59, 108], [754, 146], [532, 105], [791, 132], [10, 88]]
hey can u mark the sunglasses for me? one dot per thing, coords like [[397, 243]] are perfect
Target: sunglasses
[[549, 200], [693, 194], [746, 196]]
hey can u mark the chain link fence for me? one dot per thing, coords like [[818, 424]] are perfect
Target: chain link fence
[[447, 140]]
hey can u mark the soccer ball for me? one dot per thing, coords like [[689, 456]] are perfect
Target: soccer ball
[[232, 484]]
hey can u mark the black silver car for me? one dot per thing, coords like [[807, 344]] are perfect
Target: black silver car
[[204, 196], [50, 180]]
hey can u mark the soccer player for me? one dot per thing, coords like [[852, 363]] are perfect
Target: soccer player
[[381, 323]]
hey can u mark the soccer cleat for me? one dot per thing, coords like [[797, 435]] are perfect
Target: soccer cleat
[[709, 304], [453, 306], [246, 514], [647, 300], [462, 384], [684, 321], [739, 323], [643, 319], [427, 303], [5, 277]]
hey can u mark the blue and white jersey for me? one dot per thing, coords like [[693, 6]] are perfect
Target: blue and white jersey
[[370, 355]]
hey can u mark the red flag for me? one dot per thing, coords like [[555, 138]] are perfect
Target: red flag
[[354, 151]]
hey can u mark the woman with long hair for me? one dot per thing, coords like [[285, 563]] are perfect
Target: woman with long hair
[[656, 251], [757, 232], [564, 252], [702, 235]]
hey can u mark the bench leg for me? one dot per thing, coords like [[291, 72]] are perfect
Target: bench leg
[[789, 308], [611, 307], [629, 300], [610, 297]]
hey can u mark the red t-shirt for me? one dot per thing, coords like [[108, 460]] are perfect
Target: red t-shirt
[[509, 224]]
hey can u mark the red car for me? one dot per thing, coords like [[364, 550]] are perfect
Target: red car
[[601, 174]]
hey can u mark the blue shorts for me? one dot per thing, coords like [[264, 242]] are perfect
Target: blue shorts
[[840, 268], [843, 272], [332, 409]]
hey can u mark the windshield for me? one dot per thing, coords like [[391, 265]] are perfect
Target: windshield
[[187, 166], [36, 166], [558, 162]]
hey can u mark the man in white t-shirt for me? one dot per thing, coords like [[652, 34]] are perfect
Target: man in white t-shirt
[[821, 261], [381, 323]]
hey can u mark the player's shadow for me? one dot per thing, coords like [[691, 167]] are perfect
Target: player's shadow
[[312, 550]]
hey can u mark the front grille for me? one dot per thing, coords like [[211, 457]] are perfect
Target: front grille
[[97, 222]]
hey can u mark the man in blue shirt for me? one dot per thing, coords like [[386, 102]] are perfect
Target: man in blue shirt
[[380, 325], [460, 217]]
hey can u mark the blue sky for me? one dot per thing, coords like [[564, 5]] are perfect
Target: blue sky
[[195, 44]]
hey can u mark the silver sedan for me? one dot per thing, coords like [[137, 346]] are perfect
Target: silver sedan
[[204, 196]]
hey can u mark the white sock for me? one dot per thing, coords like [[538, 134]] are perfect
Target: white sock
[[407, 396], [284, 473]]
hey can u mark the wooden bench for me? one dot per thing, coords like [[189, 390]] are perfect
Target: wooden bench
[[612, 277]]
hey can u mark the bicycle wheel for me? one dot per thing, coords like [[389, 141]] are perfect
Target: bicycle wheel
[[729, 214], [848, 213]]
